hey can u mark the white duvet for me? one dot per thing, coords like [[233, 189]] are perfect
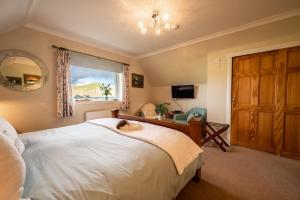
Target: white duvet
[[177, 145], [90, 162]]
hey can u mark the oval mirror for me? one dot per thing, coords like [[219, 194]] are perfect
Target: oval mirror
[[21, 71]]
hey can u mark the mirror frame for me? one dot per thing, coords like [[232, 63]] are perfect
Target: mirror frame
[[19, 53]]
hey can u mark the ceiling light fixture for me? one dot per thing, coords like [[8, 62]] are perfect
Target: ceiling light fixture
[[157, 24]]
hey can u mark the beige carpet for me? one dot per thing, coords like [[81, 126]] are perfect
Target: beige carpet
[[244, 173]]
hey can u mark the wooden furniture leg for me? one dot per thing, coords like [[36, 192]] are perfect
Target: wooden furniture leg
[[217, 134], [212, 136], [197, 176]]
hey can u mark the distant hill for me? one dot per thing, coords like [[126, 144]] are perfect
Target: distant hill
[[91, 90]]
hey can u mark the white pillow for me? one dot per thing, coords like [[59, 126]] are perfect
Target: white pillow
[[12, 170], [7, 129]]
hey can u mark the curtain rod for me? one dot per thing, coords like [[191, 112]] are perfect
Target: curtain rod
[[56, 47]]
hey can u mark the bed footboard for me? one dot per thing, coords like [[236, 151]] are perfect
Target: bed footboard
[[192, 129]]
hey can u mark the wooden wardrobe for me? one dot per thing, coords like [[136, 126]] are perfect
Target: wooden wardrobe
[[266, 101]]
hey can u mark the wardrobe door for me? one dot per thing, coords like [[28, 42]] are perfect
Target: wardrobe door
[[245, 100], [253, 100], [266, 107], [291, 135], [266, 101]]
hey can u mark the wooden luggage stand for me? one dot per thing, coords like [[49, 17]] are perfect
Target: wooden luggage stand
[[217, 129]]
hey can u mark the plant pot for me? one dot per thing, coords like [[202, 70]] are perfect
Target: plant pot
[[106, 98], [159, 117]]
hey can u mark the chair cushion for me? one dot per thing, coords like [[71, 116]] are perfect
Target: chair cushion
[[181, 121], [148, 111], [192, 116]]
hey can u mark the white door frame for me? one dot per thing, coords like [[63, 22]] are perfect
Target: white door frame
[[229, 72]]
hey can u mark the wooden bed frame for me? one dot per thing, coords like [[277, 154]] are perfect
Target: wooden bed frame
[[192, 129]]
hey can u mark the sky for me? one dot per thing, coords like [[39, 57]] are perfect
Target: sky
[[83, 76]]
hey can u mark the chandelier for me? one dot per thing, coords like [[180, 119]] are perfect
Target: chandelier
[[157, 24]]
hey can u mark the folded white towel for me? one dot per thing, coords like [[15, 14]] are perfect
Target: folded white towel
[[131, 126]]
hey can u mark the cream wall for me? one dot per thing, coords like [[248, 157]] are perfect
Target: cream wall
[[161, 94], [208, 63], [36, 110]]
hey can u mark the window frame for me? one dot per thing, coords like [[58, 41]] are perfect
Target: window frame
[[115, 99]]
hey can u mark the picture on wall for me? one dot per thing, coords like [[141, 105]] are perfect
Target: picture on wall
[[137, 80]]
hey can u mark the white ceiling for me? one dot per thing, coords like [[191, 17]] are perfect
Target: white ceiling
[[9, 18], [112, 24]]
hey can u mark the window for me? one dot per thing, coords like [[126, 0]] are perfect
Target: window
[[87, 73]]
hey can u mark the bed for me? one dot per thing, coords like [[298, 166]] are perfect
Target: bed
[[93, 161]]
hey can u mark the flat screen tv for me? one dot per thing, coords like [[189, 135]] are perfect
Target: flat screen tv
[[183, 92]]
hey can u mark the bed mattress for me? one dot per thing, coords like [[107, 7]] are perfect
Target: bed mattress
[[87, 161]]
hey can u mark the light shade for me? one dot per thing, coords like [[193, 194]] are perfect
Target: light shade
[[143, 30], [167, 26], [156, 24], [157, 31], [140, 24], [166, 17]]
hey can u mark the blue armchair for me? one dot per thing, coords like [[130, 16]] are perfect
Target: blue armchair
[[183, 118]]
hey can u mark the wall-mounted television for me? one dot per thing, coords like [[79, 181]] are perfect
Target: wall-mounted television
[[183, 92]]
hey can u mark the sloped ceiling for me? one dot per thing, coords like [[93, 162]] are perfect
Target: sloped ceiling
[[181, 66], [113, 24], [13, 14]]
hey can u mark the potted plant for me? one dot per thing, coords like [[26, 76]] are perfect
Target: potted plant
[[105, 90], [161, 109]]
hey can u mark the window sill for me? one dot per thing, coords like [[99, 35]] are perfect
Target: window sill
[[96, 102]]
